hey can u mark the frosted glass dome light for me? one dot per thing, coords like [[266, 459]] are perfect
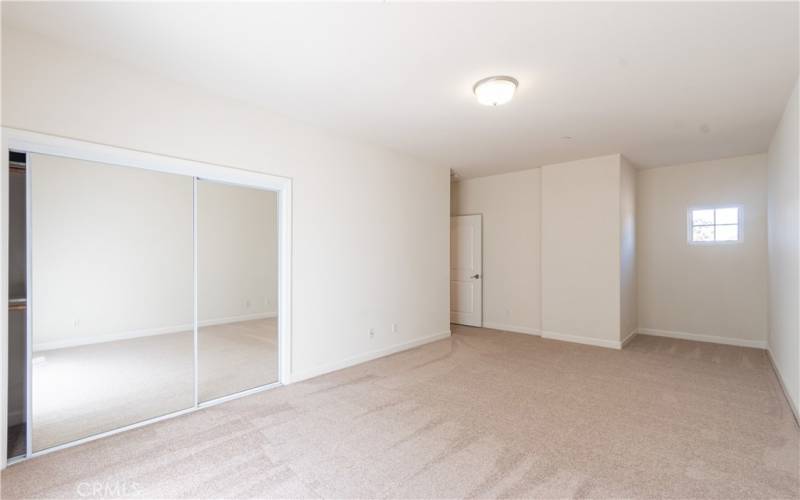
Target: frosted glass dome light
[[495, 90]]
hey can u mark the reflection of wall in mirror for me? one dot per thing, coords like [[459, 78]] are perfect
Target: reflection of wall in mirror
[[112, 255], [237, 253]]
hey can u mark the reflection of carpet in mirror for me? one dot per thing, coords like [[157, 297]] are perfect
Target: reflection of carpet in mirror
[[237, 356], [85, 390]]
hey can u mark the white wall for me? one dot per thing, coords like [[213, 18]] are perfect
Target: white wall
[[112, 252], [510, 205], [598, 210], [629, 319], [370, 226], [716, 291], [784, 250], [581, 250], [559, 249]]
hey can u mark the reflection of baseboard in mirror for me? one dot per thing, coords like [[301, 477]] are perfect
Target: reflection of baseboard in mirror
[[79, 341]]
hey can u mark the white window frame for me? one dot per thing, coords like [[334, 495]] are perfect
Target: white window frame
[[690, 226]]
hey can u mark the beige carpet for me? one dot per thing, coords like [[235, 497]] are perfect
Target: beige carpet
[[81, 391], [482, 414]]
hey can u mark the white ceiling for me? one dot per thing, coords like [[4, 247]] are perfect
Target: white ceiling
[[662, 83]]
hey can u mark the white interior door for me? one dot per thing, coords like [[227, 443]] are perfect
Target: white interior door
[[466, 262]]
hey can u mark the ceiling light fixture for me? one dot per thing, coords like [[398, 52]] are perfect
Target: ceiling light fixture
[[495, 90]]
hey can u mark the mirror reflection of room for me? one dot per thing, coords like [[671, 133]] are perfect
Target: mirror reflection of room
[[237, 288], [149, 293], [112, 303]]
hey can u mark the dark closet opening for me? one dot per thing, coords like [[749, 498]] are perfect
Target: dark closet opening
[[17, 306]]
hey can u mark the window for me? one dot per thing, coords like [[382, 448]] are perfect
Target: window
[[715, 225]]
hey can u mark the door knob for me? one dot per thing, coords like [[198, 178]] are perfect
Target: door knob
[[475, 276]]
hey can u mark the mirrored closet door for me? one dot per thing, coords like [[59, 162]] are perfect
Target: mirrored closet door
[[237, 288], [112, 333], [139, 291]]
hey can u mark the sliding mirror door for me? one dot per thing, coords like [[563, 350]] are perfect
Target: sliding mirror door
[[237, 288], [112, 297]]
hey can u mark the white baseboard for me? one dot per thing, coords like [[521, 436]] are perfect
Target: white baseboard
[[778, 375], [629, 337], [512, 328], [368, 356], [758, 344], [99, 339], [611, 344]]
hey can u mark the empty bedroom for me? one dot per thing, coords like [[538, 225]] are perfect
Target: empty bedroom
[[400, 250]]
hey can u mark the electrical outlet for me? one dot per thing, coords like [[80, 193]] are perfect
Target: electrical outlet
[[394, 327], [247, 303], [371, 332], [77, 323]]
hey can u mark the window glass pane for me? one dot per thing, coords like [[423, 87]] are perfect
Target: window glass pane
[[728, 233], [703, 233], [702, 217], [728, 215]]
